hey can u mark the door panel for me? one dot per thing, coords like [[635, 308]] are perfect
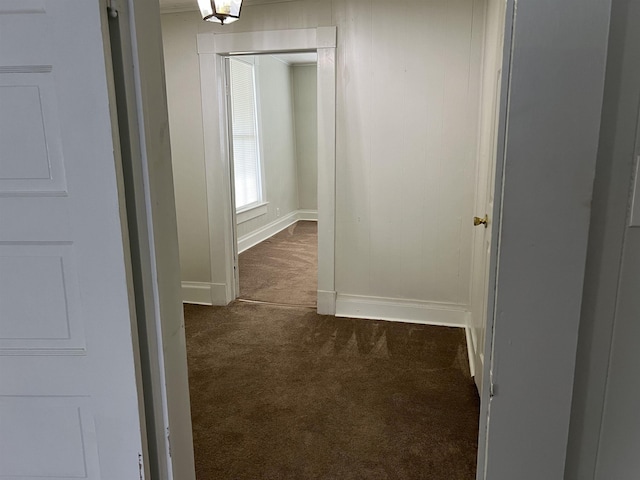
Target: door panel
[[47, 437], [69, 404], [485, 240], [485, 179]]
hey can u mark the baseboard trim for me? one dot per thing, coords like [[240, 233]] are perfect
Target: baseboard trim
[[326, 302], [470, 351], [269, 230], [401, 310], [203, 293], [308, 215]]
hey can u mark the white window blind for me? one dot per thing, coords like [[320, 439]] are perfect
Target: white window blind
[[246, 161]]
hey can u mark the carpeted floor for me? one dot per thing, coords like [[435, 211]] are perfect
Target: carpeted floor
[[283, 393], [283, 268]]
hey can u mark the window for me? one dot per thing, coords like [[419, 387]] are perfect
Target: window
[[244, 120]]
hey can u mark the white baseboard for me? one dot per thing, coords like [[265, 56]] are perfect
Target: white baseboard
[[401, 310], [326, 302], [245, 242], [269, 230], [470, 351], [203, 293], [308, 215]]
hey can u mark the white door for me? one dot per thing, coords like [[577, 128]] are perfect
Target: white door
[[482, 250], [485, 178], [69, 398]]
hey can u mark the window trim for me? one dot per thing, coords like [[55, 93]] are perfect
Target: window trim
[[251, 211], [254, 61]]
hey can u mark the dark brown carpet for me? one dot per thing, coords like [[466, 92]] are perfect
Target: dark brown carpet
[[283, 268], [284, 393]]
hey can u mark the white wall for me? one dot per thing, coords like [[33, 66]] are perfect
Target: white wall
[[405, 139], [405, 154], [275, 100], [187, 149], [306, 125]]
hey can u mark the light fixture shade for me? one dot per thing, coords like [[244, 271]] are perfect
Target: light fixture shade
[[220, 11]]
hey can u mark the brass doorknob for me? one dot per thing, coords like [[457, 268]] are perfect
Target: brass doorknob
[[481, 221]]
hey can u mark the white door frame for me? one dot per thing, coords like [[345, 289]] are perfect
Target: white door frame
[[152, 206], [547, 148], [212, 48]]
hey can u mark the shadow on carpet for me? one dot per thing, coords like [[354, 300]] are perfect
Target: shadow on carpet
[[284, 393]]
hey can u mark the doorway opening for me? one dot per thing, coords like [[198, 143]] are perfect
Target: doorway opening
[[272, 106], [223, 238], [374, 337]]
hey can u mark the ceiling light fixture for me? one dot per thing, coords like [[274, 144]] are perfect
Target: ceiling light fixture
[[220, 11]]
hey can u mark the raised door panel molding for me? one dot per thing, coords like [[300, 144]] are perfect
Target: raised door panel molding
[[50, 322], [47, 437], [23, 160], [66, 341], [26, 24], [28, 97], [34, 167]]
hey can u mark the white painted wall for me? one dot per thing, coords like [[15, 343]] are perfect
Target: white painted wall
[[405, 139], [275, 100], [187, 149], [405, 151], [306, 126]]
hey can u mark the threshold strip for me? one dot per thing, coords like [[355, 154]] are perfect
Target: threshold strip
[[274, 304]]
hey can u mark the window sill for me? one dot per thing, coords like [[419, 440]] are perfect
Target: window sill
[[252, 211]]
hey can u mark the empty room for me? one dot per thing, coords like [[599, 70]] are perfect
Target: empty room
[[335, 308], [378, 380]]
